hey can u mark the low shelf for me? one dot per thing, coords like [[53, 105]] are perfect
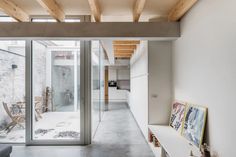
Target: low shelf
[[172, 143]]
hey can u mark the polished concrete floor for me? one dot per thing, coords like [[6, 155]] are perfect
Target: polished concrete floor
[[117, 136]]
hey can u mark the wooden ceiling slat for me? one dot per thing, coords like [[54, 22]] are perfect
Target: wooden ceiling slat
[[53, 9], [95, 9], [124, 51], [180, 9], [125, 47], [123, 56], [138, 9], [14, 11], [126, 42]]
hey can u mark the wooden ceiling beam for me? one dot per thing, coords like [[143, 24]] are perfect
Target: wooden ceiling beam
[[126, 42], [123, 56], [53, 8], [124, 51], [95, 9], [14, 11], [179, 10], [138, 8], [125, 47], [120, 54]]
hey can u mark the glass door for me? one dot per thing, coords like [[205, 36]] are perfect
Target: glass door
[[56, 108], [12, 91]]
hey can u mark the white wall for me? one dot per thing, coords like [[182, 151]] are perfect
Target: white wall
[[123, 74], [118, 73], [112, 73], [138, 100], [205, 68]]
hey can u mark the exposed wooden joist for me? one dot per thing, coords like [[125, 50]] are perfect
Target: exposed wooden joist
[[180, 9], [124, 51], [105, 30], [14, 11], [53, 8], [126, 42], [123, 55], [125, 47], [95, 9], [138, 8]]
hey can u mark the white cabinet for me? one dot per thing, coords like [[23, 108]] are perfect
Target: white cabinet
[[150, 95], [116, 95], [159, 82]]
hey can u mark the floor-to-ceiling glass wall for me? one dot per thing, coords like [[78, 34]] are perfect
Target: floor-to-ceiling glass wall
[[102, 81], [56, 90], [97, 84], [12, 91]]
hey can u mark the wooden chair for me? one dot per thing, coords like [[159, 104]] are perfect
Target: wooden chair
[[38, 107], [16, 119]]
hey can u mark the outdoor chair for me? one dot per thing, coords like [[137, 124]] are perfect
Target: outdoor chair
[[16, 118], [38, 107]]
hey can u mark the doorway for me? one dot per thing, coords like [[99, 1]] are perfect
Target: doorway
[[56, 114], [57, 86]]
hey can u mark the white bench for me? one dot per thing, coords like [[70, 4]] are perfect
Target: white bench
[[172, 144]]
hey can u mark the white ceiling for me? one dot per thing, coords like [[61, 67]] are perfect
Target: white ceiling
[[112, 10]]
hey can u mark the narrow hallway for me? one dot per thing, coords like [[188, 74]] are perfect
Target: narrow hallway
[[117, 136]]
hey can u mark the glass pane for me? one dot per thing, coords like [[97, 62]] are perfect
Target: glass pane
[[56, 90], [12, 91], [7, 19], [95, 85], [102, 81], [44, 20], [72, 20], [53, 20]]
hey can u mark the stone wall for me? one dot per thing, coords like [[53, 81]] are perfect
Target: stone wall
[[12, 80], [12, 86], [39, 66]]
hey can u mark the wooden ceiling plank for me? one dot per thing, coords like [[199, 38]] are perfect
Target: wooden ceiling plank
[[138, 8], [117, 55], [124, 51], [123, 57], [125, 47], [95, 9], [53, 8], [126, 42], [179, 10], [14, 11]]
